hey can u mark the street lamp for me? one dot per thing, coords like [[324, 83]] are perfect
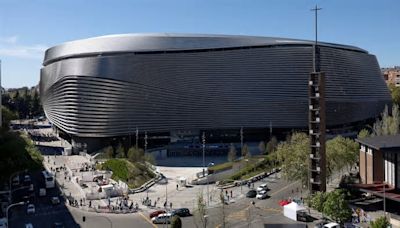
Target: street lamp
[[10, 206]]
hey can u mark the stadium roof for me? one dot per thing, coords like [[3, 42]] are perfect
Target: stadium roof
[[165, 42]]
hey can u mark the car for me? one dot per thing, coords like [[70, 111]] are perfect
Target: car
[[251, 194], [262, 194], [55, 200], [3, 222], [42, 192], [181, 212], [28, 225], [262, 187], [332, 225], [27, 179], [58, 225], [156, 213], [31, 188], [15, 181], [162, 218], [303, 216], [30, 209]]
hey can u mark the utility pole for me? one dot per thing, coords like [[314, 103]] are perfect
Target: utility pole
[[241, 138], [204, 165], [316, 120], [137, 138], [145, 141]]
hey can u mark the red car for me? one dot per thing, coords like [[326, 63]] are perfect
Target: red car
[[156, 213]]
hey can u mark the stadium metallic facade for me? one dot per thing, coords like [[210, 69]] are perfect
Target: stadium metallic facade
[[108, 86]]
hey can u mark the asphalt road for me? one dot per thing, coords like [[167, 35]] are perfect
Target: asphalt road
[[239, 213]]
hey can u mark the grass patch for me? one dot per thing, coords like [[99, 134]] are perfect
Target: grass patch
[[17, 153], [220, 167], [134, 174], [253, 167]]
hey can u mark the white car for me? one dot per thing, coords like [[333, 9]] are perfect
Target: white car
[[262, 194], [262, 187], [30, 209], [162, 218]]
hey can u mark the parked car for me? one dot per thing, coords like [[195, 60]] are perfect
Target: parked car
[[262, 194], [30, 209], [156, 213], [332, 225], [55, 200], [58, 225], [162, 218], [27, 179], [262, 187], [28, 225], [181, 212], [31, 188], [303, 216], [251, 194], [42, 192]]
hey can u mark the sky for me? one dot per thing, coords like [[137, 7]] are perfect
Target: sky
[[28, 28]]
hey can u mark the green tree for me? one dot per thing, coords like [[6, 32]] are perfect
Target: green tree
[[109, 152], [200, 211], [364, 133], [317, 201], [341, 153], [232, 153], [381, 222], [7, 116], [246, 151], [149, 158], [119, 152], [176, 222], [261, 147], [336, 206], [395, 92], [293, 155], [135, 155], [271, 145], [394, 123]]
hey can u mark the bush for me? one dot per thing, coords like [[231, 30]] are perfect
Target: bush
[[381, 222], [220, 167]]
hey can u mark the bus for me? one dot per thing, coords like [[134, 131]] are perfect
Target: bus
[[48, 179]]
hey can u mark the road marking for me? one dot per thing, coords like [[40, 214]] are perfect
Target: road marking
[[147, 219]]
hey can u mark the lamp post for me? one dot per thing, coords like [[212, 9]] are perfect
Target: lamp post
[[10, 206]]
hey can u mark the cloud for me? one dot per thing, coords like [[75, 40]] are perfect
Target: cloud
[[11, 47]]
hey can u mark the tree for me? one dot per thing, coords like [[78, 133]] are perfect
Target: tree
[[261, 147], [293, 154], [120, 153], [232, 153], [340, 152], [336, 206], [200, 211], [109, 152], [7, 116], [271, 145], [223, 215], [317, 201], [364, 133], [394, 123], [381, 222], [176, 222], [149, 158], [135, 154], [246, 151], [395, 92]]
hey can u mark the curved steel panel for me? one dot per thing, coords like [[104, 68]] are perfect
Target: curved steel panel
[[102, 96]]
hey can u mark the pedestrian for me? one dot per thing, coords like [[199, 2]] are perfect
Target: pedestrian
[[177, 186], [165, 204], [170, 205], [90, 203], [226, 192], [231, 194]]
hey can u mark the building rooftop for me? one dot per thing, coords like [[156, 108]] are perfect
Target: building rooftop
[[385, 142], [166, 42]]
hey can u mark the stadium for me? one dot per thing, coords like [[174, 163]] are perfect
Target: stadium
[[174, 86]]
